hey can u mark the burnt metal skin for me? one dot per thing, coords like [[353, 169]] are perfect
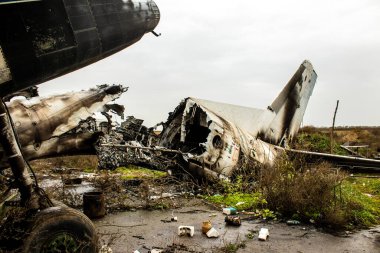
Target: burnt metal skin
[[45, 39], [44, 125]]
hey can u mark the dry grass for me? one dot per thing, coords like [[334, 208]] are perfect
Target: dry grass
[[84, 162], [352, 135], [299, 191]]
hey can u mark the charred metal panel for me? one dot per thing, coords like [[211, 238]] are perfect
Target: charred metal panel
[[84, 27], [37, 40]]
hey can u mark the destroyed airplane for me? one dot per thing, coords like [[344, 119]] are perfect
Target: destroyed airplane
[[39, 41], [221, 135], [214, 138]]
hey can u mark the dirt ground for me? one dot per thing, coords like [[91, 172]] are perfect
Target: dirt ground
[[145, 230]]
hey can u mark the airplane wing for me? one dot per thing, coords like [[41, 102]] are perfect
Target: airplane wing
[[17, 1], [347, 162]]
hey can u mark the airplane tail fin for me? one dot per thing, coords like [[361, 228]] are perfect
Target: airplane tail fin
[[288, 108]]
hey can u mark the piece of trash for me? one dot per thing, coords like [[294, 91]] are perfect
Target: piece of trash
[[293, 222], [175, 219], [263, 234], [212, 233], [136, 251], [186, 230], [206, 226], [212, 215], [233, 220], [156, 251], [229, 210], [240, 203], [105, 249]]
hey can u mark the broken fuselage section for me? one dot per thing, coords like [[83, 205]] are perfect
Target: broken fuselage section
[[222, 136], [59, 125]]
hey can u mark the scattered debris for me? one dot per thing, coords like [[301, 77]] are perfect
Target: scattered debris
[[229, 210], [186, 230], [206, 226], [105, 249], [233, 220], [156, 251], [212, 233], [293, 222], [263, 234]]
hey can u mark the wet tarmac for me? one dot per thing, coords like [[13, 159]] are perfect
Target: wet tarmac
[[145, 230]]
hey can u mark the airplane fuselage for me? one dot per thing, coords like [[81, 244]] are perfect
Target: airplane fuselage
[[45, 39]]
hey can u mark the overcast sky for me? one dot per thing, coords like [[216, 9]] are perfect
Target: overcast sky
[[243, 52]]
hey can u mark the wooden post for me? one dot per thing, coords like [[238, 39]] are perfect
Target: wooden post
[[332, 129]]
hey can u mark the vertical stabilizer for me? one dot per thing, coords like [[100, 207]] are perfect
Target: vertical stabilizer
[[288, 108]]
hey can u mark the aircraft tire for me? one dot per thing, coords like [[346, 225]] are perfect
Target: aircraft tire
[[61, 229]]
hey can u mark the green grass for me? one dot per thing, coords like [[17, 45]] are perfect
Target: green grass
[[317, 142], [362, 201], [132, 172]]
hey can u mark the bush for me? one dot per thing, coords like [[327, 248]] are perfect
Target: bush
[[320, 194]]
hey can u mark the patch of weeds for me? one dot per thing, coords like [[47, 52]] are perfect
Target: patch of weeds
[[159, 206], [361, 202], [317, 142], [320, 195], [132, 172], [89, 170], [291, 188], [250, 235], [233, 247]]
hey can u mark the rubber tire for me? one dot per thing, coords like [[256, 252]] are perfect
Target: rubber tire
[[58, 220]]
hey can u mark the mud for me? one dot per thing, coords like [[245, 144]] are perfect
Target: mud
[[144, 230]]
